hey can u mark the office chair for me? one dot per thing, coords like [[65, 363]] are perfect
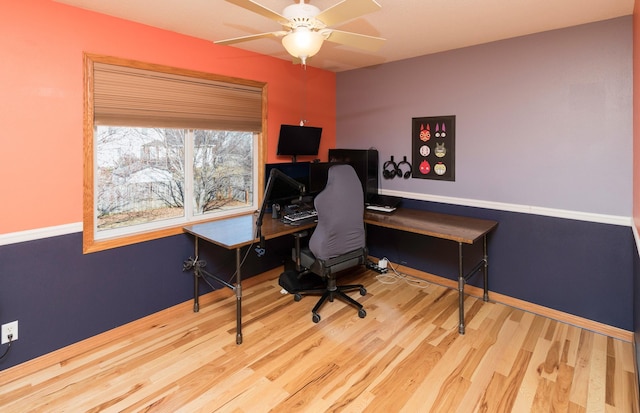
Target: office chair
[[338, 241]]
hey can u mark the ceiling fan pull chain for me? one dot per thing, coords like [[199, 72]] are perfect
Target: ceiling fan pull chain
[[303, 104]]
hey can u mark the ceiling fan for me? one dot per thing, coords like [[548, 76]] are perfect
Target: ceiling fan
[[305, 27]]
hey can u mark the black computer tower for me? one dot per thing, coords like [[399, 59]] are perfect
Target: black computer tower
[[365, 162]]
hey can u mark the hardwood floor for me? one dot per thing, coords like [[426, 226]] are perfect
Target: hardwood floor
[[405, 356]]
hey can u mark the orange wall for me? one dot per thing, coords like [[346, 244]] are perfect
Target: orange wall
[[636, 114], [41, 92]]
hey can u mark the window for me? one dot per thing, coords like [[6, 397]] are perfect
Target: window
[[166, 147]]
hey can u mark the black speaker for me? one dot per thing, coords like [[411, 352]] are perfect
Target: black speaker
[[365, 163]]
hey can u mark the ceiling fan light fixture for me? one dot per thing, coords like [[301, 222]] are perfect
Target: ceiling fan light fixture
[[302, 43]]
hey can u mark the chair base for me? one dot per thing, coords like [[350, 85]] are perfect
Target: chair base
[[330, 294]]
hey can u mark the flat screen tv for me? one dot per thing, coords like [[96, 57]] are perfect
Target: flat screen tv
[[298, 140]]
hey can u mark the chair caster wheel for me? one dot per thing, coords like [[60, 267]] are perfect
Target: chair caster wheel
[[363, 291], [362, 313], [297, 297], [316, 318]]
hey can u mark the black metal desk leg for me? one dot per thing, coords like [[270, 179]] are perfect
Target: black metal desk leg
[[461, 282], [238, 289], [196, 279], [485, 270]]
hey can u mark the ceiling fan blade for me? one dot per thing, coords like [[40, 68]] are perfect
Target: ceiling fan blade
[[260, 9], [251, 37], [360, 41], [347, 10]]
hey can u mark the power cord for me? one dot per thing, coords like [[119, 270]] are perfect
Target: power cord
[[392, 278], [10, 337]]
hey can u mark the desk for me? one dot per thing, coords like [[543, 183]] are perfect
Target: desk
[[463, 230], [232, 234], [238, 232]]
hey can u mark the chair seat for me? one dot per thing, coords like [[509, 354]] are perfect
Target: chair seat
[[327, 270], [332, 265]]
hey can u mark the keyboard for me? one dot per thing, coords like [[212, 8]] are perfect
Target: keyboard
[[300, 216], [381, 208]]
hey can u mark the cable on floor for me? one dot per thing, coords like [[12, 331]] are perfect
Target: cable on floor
[[392, 278], [8, 348]]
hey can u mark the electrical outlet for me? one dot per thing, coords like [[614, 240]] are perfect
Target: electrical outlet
[[9, 329]]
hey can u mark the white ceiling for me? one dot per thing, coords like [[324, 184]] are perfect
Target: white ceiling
[[411, 27]]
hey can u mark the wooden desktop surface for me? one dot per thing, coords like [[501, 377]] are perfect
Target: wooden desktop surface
[[236, 232], [451, 227], [239, 231]]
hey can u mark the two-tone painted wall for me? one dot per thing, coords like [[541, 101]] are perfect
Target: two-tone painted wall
[[58, 295], [544, 145]]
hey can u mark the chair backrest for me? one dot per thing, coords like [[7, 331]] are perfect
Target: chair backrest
[[340, 208]]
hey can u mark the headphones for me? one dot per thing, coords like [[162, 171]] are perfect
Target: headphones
[[407, 174], [393, 171]]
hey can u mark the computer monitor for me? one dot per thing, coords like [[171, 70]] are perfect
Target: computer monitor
[[318, 173], [298, 140], [283, 193]]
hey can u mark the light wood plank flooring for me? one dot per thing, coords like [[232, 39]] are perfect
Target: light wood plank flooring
[[405, 356]]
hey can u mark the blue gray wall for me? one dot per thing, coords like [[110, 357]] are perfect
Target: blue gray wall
[[578, 267], [60, 296]]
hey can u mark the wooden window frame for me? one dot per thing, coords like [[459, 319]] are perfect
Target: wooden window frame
[[90, 244]]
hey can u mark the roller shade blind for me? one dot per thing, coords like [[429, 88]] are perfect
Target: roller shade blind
[[127, 96]]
